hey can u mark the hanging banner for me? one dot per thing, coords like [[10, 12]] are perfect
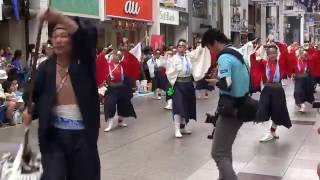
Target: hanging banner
[[1, 3], [157, 41]]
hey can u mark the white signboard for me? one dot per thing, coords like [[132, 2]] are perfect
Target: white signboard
[[1, 3], [177, 3], [169, 16]]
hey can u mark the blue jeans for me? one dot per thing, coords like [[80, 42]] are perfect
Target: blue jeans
[[2, 113]]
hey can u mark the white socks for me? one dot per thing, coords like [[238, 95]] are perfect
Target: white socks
[[110, 124], [177, 120]]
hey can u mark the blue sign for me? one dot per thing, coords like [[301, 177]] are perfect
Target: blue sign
[[16, 9]]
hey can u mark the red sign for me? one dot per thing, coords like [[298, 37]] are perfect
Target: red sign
[[130, 9], [156, 41]]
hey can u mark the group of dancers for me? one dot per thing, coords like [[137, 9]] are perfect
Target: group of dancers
[[177, 69], [173, 72], [66, 100]]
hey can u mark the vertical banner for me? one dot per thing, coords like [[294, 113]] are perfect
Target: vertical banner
[[16, 9], [1, 3], [157, 41]]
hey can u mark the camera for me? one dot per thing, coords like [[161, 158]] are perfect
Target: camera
[[212, 119]]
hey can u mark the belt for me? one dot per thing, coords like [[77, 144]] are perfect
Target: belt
[[68, 124], [185, 79], [115, 84]]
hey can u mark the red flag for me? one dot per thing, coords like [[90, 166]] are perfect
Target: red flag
[[101, 69], [131, 66]]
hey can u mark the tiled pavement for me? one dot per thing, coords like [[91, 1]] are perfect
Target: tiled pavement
[[147, 150]]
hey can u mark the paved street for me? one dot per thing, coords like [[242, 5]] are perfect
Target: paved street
[[147, 149]]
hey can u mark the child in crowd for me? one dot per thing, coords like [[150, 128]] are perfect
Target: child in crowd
[[14, 102]]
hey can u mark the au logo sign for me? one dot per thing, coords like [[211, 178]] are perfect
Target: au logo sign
[[132, 7]]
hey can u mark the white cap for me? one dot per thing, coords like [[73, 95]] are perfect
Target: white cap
[[3, 75]]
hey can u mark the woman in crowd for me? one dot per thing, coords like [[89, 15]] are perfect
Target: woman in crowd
[[17, 69]]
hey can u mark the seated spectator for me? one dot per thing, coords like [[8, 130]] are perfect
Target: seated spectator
[[17, 69], [14, 102], [3, 78]]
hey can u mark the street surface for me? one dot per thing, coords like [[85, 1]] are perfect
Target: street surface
[[148, 150]]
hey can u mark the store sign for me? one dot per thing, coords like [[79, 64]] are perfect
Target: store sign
[[169, 16], [132, 7], [200, 8], [129, 9], [183, 18], [82, 8], [176, 3]]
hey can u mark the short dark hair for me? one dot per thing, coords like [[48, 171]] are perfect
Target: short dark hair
[[212, 35], [182, 40]]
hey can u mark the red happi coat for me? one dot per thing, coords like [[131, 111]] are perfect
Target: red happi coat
[[283, 60], [314, 63], [292, 61], [131, 68], [258, 71]]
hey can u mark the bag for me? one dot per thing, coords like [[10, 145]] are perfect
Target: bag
[[247, 111], [244, 108], [227, 106]]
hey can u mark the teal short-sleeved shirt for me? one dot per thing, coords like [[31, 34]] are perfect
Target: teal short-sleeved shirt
[[230, 66]]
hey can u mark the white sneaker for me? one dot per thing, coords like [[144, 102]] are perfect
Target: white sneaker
[[109, 126], [159, 98], [302, 108], [168, 107], [185, 131], [178, 133], [122, 124], [267, 137]]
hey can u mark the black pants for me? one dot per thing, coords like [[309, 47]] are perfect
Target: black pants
[[70, 157]]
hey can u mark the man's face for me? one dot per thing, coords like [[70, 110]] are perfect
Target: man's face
[[213, 47], [157, 54], [272, 54], [1, 52], [126, 47], [181, 49], [49, 51], [61, 42], [116, 56], [174, 51]]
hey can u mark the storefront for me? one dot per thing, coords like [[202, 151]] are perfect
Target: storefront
[[173, 21], [127, 18]]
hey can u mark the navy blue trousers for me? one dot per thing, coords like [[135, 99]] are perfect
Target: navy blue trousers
[[70, 157]]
